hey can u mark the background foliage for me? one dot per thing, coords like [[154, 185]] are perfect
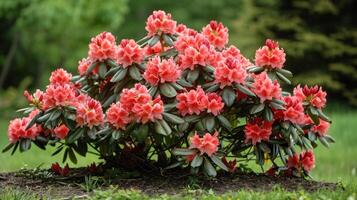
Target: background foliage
[[320, 36]]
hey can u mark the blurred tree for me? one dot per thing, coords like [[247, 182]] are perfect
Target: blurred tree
[[36, 34], [320, 38]]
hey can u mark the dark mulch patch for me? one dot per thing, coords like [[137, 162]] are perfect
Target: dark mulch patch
[[170, 183]]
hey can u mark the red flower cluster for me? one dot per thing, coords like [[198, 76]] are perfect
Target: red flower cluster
[[161, 71], [128, 53], [89, 113], [160, 22], [322, 128], [314, 95], [197, 101], [61, 131], [229, 72], [305, 161], [265, 88], [216, 33], [234, 52], [294, 110], [257, 130], [102, 47], [135, 104], [17, 128], [207, 144], [57, 169], [270, 55]]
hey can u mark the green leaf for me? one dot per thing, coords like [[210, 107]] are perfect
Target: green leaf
[[75, 135], [112, 63], [135, 73], [152, 91], [285, 72], [184, 83], [81, 148], [212, 88], [323, 116], [228, 96], [173, 118], [8, 147], [43, 118], [268, 114], [219, 162], [116, 134], [197, 161], [160, 129], [120, 75], [255, 69], [72, 156], [110, 100], [277, 106], [329, 139], [183, 127], [167, 90], [58, 150], [55, 115], [192, 118], [102, 71], [192, 75], [324, 141], [168, 40], [33, 121], [25, 144], [209, 123], [245, 90], [154, 40], [209, 169], [166, 126], [141, 133], [65, 155], [283, 78], [257, 108], [90, 68], [183, 152], [264, 147], [177, 86], [224, 122]]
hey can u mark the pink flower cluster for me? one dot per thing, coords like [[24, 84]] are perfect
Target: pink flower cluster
[[102, 47], [306, 161], [207, 144], [196, 50], [61, 131], [160, 22], [197, 101], [161, 71], [89, 113], [265, 88], [135, 104], [257, 130], [229, 72], [270, 55], [216, 33], [129, 52], [17, 128], [234, 53], [294, 110], [314, 95]]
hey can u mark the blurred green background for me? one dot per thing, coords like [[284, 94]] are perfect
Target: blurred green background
[[319, 37]]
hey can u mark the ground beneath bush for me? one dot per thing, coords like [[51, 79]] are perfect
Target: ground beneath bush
[[44, 183]]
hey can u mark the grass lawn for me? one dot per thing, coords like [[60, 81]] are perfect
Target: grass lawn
[[336, 164]]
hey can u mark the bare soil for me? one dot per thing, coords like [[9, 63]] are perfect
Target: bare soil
[[44, 183]]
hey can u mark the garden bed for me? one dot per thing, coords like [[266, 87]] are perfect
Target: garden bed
[[43, 182]]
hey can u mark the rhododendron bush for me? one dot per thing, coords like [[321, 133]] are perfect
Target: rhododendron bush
[[177, 98]]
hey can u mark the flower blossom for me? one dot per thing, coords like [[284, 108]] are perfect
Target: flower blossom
[[266, 89], [117, 116], [58, 95], [215, 104], [257, 130], [129, 52], [314, 95], [61, 131], [234, 52], [159, 22], [140, 104], [17, 128], [83, 66], [216, 33], [207, 144], [229, 72], [102, 47], [89, 113], [60, 76], [306, 161], [161, 71], [192, 102], [322, 128], [294, 110], [270, 55]]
